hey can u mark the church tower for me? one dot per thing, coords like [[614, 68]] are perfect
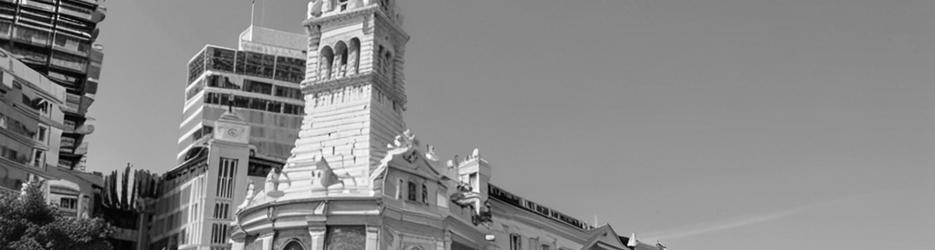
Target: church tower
[[354, 93]]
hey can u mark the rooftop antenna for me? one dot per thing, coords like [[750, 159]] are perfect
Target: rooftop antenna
[[252, 11]]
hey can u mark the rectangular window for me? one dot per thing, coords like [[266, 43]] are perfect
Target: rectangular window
[[516, 242], [221, 210], [226, 172], [196, 67], [38, 158], [425, 194], [42, 135], [274, 106], [288, 92], [290, 69], [258, 104], [292, 109], [258, 64], [257, 87], [220, 59], [68, 203], [412, 191]]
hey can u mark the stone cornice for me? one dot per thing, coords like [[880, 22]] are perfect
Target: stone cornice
[[313, 87], [262, 206]]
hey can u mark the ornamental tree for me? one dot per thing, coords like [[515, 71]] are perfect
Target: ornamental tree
[[28, 222]]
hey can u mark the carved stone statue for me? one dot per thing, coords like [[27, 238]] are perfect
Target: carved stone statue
[[248, 198], [273, 179], [430, 153]]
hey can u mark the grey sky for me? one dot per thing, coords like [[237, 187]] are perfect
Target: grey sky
[[701, 122]]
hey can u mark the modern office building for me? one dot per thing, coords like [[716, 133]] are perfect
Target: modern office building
[[260, 80], [358, 179], [241, 118], [56, 38]]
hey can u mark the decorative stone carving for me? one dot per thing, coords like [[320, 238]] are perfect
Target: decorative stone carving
[[404, 142], [430, 153], [324, 177], [314, 8], [248, 198], [273, 181]]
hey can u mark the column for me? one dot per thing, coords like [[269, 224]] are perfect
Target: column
[[267, 240], [373, 238], [318, 237]]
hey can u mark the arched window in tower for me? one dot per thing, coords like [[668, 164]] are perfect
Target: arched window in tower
[[353, 63], [324, 63], [389, 67], [294, 245], [378, 59], [340, 60]]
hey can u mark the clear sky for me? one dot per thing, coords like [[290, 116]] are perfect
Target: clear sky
[[717, 124]]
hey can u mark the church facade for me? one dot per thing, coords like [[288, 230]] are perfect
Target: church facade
[[358, 179]]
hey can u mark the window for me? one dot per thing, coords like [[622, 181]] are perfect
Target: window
[[412, 191], [516, 242], [290, 69], [292, 109], [274, 106], [42, 135], [425, 194], [258, 104], [68, 203], [226, 172], [545, 247], [399, 190], [3, 121], [288, 92], [218, 233], [44, 107], [293, 246], [258, 87], [257, 64], [38, 157], [220, 59], [221, 210], [221, 82], [196, 67]]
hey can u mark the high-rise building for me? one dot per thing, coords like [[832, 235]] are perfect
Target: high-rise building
[[241, 118], [56, 38], [260, 80], [358, 179]]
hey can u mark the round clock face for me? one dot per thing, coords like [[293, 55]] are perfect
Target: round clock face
[[232, 132]]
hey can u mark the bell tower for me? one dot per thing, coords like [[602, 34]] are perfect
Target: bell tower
[[354, 93]]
